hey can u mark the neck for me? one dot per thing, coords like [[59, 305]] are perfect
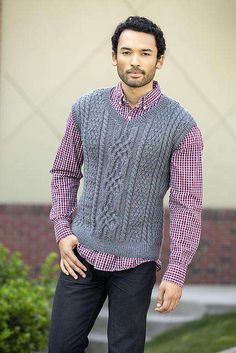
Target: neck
[[133, 94]]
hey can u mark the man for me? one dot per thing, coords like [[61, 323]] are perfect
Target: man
[[135, 143]]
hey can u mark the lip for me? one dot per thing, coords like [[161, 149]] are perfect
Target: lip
[[135, 74]]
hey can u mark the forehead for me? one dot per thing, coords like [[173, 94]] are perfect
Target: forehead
[[136, 40]]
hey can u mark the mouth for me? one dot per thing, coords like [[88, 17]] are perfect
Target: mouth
[[135, 73]]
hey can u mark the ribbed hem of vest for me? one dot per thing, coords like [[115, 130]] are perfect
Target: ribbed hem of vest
[[126, 249]]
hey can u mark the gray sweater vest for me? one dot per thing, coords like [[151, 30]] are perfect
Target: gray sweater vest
[[126, 173]]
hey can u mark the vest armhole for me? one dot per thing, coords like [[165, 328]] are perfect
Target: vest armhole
[[75, 112], [184, 130], [81, 105], [75, 119]]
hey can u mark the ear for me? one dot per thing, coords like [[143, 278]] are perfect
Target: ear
[[160, 62], [114, 58]]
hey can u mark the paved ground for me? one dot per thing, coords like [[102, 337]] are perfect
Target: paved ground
[[231, 350]]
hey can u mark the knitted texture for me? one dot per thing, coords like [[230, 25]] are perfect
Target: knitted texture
[[126, 173]]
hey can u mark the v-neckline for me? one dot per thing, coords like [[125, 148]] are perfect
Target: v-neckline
[[158, 108]]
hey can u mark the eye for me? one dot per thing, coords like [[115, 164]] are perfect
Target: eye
[[146, 54], [125, 52]]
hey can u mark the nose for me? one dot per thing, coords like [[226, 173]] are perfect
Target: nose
[[134, 60]]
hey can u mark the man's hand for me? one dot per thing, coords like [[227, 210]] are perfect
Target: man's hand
[[168, 296], [69, 261]]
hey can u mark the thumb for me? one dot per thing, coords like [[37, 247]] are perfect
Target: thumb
[[74, 241], [160, 296]]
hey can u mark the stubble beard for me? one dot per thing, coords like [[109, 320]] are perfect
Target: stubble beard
[[136, 82]]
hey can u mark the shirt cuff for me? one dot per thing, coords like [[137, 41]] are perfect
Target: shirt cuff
[[62, 230], [175, 273], [158, 265]]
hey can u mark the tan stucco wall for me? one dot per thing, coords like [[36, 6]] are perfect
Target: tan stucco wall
[[52, 51]]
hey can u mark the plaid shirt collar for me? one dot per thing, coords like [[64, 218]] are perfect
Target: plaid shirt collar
[[145, 101]]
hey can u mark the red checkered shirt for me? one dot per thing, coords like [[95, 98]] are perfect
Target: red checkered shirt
[[184, 206]]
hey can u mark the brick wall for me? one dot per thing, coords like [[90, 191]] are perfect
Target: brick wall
[[28, 229]]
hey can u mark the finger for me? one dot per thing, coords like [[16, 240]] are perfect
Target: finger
[[175, 304], [172, 301], [63, 268], [171, 305], [164, 306], [75, 268], [160, 297], [74, 261], [69, 269]]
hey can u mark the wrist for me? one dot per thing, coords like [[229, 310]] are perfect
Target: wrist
[[176, 273]]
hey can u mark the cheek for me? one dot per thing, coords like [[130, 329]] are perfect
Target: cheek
[[150, 69], [122, 66], [123, 62]]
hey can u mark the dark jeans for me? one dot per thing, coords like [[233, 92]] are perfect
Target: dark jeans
[[77, 303]]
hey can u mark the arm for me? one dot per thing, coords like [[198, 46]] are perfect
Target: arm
[[66, 171], [185, 205]]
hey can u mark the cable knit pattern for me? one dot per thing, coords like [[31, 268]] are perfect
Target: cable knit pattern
[[126, 173]]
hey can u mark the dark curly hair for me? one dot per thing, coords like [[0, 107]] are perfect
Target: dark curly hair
[[140, 24]]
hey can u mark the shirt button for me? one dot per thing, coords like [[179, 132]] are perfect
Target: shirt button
[[145, 107], [129, 117]]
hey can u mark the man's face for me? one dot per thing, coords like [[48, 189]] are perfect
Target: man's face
[[136, 58]]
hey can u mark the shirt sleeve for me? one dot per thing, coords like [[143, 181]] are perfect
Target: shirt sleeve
[[66, 174], [185, 205]]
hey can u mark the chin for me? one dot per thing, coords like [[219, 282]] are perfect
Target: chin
[[134, 83]]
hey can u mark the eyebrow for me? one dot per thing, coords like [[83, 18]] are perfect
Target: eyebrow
[[126, 48]]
